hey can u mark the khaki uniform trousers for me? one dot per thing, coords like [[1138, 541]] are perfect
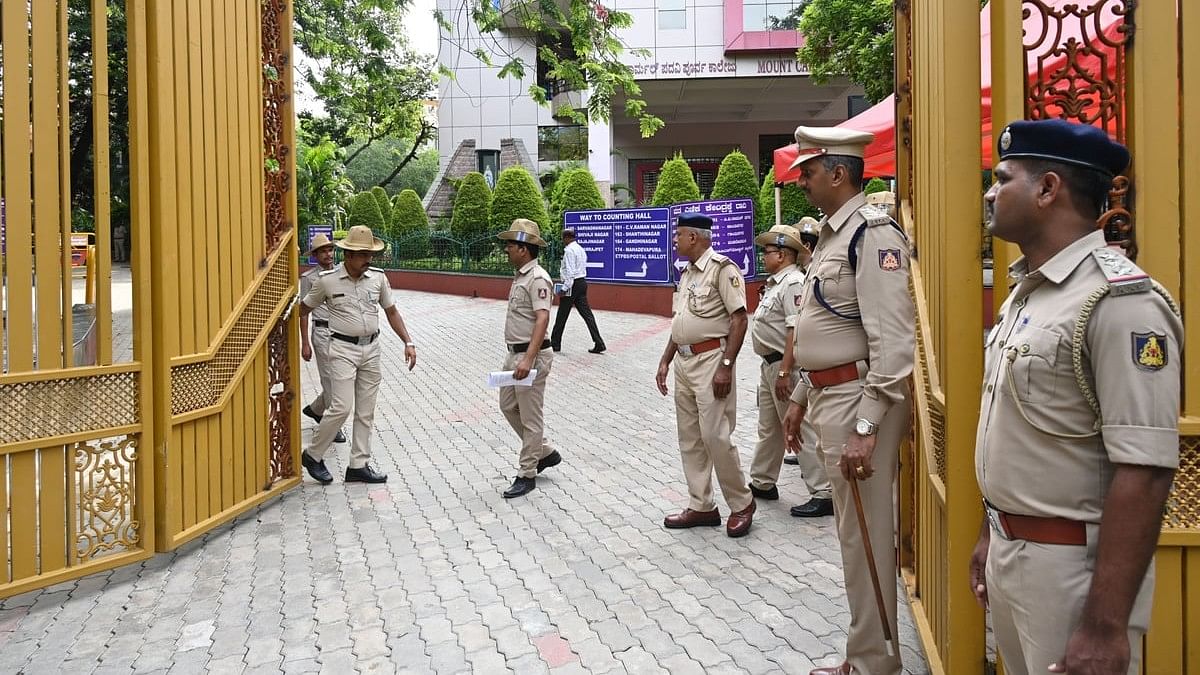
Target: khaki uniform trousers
[[1036, 593], [772, 440], [705, 425], [320, 343], [522, 407], [833, 411], [354, 376]]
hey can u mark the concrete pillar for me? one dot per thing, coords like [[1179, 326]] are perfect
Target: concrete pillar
[[600, 158]]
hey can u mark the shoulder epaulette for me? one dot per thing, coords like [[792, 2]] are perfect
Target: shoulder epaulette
[[723, 260], [1124, 277], [324, 272], [375, 269], [874, 215]]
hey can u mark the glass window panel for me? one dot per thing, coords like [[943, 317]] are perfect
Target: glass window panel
[[671, 5], [754, 17], [673, 19]]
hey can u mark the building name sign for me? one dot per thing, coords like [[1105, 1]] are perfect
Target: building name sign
[[711, 63]]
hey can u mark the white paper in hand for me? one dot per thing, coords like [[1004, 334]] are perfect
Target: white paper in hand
[[504, 378]]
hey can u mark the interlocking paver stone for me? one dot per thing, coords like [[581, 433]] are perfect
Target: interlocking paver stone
[[434, 572]]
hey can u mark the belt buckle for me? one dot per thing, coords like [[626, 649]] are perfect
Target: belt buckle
[[993, 517], [685, 350], [807, 380]]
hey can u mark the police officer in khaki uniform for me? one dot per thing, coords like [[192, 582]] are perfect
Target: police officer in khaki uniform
[[528, 349], [772, 336], [353, 292], [855, 339], [1075, 466], [707, 330], [320, 248]]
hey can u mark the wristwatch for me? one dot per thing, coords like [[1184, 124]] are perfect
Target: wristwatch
[[864, 427], [726, 362]]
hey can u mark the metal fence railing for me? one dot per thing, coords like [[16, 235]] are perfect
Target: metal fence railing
[[437, 251]]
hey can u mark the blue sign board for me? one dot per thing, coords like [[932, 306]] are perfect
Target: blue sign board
[[733, 230], [630, 245], [313, 231]]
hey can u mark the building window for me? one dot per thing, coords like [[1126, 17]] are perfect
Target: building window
[[561, 46], [759, 15], [562, 143], [672, 15]]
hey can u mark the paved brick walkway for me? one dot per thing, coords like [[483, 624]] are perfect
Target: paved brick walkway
[[435, 573]]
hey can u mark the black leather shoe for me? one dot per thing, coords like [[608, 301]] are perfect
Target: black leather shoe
[[769, 495], [365, 475], [316, 469], [520, 487], [340, 438], [791, 458], [815, 508], [598, 349], [308, 412], [552, 459]]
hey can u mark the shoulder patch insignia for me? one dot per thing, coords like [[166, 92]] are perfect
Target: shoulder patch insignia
[[889, 259], [735, 280], [541, 294], [796, 300], [1149, 350]]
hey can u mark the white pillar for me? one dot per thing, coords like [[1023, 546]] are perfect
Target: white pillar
[[600, 157]]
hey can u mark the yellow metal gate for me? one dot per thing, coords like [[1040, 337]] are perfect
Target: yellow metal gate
[[1156, 81], [150, 401]]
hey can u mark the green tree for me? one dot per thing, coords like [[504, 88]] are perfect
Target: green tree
[[578, 45], [364, 210], [876, 185], [385, 203], [409, 226], [793, 205], [380, 159], [472, 205], [575, 191], [676, 184], [849, 38], [322, 188], [735, 178], [517, 196]]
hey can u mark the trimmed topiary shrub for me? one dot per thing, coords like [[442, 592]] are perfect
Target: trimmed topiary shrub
[[575, 191], [735, 178], [385, 203], [793, 205], [517, 196], [676, 184], [876, 185], [472, 204], [410, 226], [364, 210]]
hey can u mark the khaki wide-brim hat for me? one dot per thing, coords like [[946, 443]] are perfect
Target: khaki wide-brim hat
[[784, 236], [809, 225], [883, 198], [524, 231], [318, 242], [360, 238]]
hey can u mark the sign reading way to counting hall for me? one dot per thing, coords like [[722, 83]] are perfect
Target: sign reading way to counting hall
[[634, 245]]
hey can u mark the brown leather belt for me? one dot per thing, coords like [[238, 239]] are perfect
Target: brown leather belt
[[1038, 529], [847, 372], [700, 347]]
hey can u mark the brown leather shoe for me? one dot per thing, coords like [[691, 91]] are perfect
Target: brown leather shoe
[[739, 523], [843, 669], [689, 518]]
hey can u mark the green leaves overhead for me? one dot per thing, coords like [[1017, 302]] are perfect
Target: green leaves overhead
[[851, 38]]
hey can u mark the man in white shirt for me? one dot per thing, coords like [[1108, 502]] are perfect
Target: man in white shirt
[[573, 272]]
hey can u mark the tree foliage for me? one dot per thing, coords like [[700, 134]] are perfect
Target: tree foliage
[[322, 187], [575, 191], [850, 38], [876, 185], [793, 205], [380, 159], [578, 45], [364, 210], [408, 214], [517, 196], [384, 202], [676, 184], [472, 206], [735, 178]]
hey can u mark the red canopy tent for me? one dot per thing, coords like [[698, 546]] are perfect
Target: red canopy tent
[[880, 119]]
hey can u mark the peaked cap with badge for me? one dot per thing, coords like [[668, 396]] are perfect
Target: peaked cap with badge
[[813, 142], [1062, 141], [783, 236], [524, 231], [360, 238]]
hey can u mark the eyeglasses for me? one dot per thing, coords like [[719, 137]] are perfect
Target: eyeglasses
[[772, 251]]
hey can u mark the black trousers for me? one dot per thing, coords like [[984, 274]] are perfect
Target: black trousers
[[577, 299]]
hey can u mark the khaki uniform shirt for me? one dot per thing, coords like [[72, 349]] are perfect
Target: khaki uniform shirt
[[777, 310], [532, 290], [710, 291], [876, 291], [353, 304], [319, 313], [1131, 356]]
